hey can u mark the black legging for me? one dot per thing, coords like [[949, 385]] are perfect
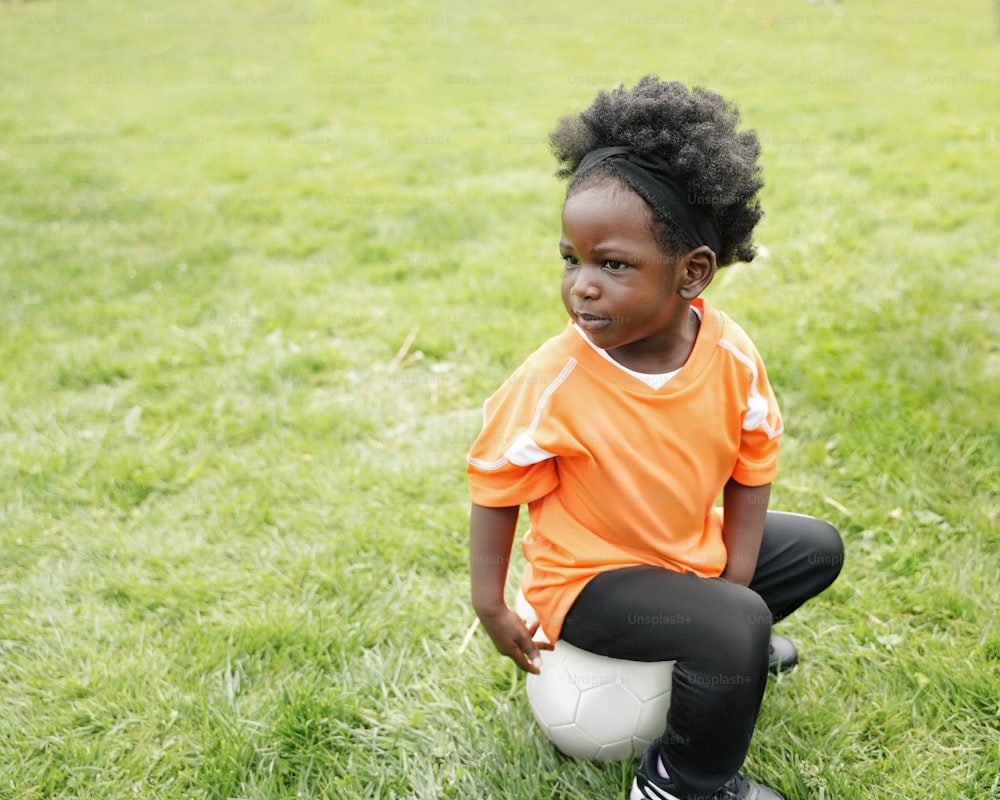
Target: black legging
[[717, 632]]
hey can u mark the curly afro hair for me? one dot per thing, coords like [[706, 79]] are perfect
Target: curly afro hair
[[695, 132]]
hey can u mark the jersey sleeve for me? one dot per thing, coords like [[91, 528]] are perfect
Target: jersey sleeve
[[513, 459], [757, 462]]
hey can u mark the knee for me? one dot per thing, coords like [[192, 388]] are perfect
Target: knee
[[758, 618], [747, 641], [746, 628], [827, 554]]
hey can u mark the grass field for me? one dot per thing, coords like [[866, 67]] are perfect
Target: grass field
[[261, 262]]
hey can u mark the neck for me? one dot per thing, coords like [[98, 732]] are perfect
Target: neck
[[663, 353]]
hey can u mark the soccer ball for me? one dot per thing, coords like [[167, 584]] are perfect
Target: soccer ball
[[595, 707]]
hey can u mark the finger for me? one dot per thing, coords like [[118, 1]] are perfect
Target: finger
[[533, 661], [524, 653], [523, 661], [532, 630]]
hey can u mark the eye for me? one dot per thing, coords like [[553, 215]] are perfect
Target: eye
[[570, 261], [615, 266]]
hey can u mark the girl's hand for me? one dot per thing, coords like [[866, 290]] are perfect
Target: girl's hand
[[513, 638]]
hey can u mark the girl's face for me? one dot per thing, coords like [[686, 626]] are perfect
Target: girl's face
[[618, 285]]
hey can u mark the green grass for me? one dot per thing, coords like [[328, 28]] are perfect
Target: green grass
[[233, 504]]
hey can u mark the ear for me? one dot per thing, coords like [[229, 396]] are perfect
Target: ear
[[698, 268]]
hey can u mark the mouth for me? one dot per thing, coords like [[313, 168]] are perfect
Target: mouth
[[590, 322]]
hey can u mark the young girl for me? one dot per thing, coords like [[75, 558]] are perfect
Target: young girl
[[621, 433]]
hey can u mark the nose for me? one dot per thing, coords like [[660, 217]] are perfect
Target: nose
[[584, 284]]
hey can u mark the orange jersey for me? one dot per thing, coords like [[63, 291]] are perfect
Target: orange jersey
[[616, 473]]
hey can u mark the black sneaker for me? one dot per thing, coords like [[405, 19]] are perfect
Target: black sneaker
[[648, 785], [782, 655]]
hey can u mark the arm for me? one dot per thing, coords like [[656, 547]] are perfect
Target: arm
[[491, 536], [745, 508]]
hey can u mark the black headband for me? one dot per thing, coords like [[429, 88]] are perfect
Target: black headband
[[657, 183]]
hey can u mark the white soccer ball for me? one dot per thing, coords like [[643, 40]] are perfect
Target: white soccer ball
[[595, 707]]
